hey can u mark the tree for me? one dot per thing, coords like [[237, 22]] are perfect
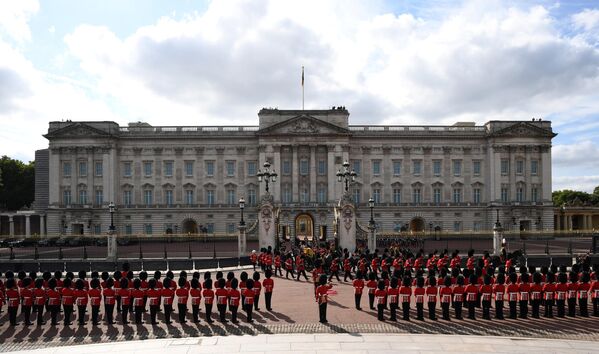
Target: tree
[[596, 191], [18, 183]]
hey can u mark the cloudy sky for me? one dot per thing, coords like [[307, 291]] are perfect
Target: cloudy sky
[[388, 62]]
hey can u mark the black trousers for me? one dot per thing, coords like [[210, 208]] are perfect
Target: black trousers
[[499, 310], [256, 300], [334, 274], [268, 300], [153, 311], [233, 310], [371, 300], [195, 311], [81, 313], [54, 310], [95, 314], [548, 308], [596, 306], [380, 309], [445, 310], [109, 313], [124, 313], [561, 308], [26, 310], [393, 311], [486, 309], [168, 309], [287, 272], [523, 308], [513, 309], [535, 304], [457, 305], [322, 312], [571, 307], [68, 311], [432, 310], [248, 311], [472, 310], [583, 306], [301, 272], [405, 306], [209, 313], [40, 315], [139, 311], [222, 310], [420, 310], [182, 311], [12, 315], [358, 300], [347, 274]]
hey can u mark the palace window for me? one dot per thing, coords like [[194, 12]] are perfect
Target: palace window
[[376, 167], [209, 168], [322, 167], [251, 197], [148, 229], [304, 196], [168, 168], [99, 197], [147, 168], [189, 168], [286, 194], [417, 168], [127, 200], [476, 195], [437, 195], [127, 169], [82, 169], [230, 168], [457, 195], [251, 168], [128, 229], [357, 166], [322, 194], [437, 168], [534, 194], [504, 194], [82, 196], [66, 197], [476, 168], [534, 167], [210, 197], [148, 197], [457, 226], [457, 168], [231, 197], [519, 167], [304, 167], [520, 194], [505, 167], [416, 196], [189, 197], [286, 167], [397, 168], [66, 169], [397, 195], [356, 195], [99, 169], [376, 195]]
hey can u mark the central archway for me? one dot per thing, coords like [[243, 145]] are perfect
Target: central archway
[[304, 227], [417, 224], [190, 226]]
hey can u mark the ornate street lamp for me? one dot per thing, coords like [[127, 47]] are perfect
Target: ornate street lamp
[[241, 236], [346, 175], [371, 226], [111, 253], [267, 175], [111, 210]]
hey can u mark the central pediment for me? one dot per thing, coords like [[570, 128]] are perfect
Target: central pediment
[[303, 125]]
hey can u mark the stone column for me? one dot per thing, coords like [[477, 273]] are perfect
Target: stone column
[[241, 242], [11, 225], [558, 224], [42, 225], [277, 167], [312, 173], [266, 223], [347, 224], [372, 238], [27, 225], [331, 173], [295, 176], [569, 222]]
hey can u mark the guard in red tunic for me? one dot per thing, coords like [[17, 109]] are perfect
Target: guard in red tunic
[[26, 300], [67, 300], [594, 290], [405, 294], [393, 298], [300, 267], [288, 266], [195, 293], [486, 294], [471, 293], [380, 296], [278, 264], [371, 285], [39, 300], [154, 296], [419, 294], [347, 269], [268, 285], [572, 294], [561, 293], [167, 295], [334, 269], [95, 298], [431, 298], [137, 300], [524, 290], [458, 296], [358, 284], [53, 301], [512, 295], [499, 291], [583, 294], [321, 295], [81, 300], [254, 259], [536, 292], [13, 299], [268, 260], [445, 294], [125, 295], [549, 294], [234, 300], [208, 295], [257, 290], [222, 298], [248, 303]]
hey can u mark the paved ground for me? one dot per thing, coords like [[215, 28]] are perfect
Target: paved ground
[[329, 343]]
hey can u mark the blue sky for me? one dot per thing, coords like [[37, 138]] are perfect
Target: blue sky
[[388, 62]]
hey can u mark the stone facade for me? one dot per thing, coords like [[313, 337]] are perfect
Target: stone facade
[[178, 178]]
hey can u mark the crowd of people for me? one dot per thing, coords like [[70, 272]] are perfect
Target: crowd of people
[[121, 293], [394, 280]]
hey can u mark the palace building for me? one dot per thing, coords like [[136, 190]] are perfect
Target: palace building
[[188, 179]]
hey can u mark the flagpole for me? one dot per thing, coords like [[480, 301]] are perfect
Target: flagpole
[[302, 87]]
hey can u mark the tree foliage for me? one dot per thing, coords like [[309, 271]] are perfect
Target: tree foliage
[[18, 183], [570, 197]]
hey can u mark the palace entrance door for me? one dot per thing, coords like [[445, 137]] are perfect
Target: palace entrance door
[[304, 227]]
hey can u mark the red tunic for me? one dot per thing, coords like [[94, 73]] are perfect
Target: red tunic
[[268, 285], [358, 286], [471, 292], [536, 291], [208, 295], [486, 292], [257, 287], [419, 295], [137, 297], [234, 297], [249, 296], [431, 294], [445, 294], [53, 297], [321, 293], [572, 290], [95, 296], [380, 296], [595, 289], [499, 291], [289, 263], [154, 296], [27, 297], [458, 293], [39, 296], [221, 296], [583, 290], [67, 296], [196, 296], [278, 262], [405, 292], [371, 285], [167, 296], [561, 291], [524, 290], [512, 292], [81, 297], [393, 295], [12, 297], [125, 295], [549, 291]]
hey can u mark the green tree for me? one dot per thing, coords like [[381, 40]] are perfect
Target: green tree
[[596, 191], [18, 183], [567, 196]]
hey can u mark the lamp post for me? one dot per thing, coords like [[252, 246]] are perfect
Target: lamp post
[[267, 175], [371, 227], [111, 253], [346, 176], [497, 236], [241, 239]]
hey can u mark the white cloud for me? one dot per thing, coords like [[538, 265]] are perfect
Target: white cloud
[[577, 183], [580, 154], [587, 19], [14, 17]]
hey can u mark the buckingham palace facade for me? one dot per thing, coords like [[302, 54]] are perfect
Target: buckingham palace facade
[[188, 179]]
